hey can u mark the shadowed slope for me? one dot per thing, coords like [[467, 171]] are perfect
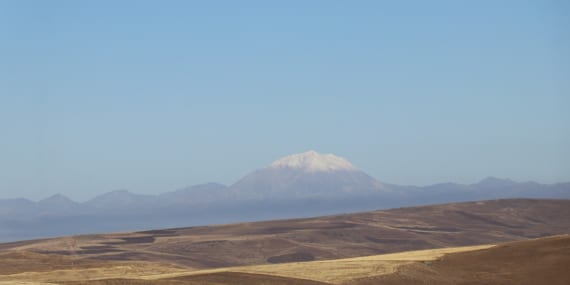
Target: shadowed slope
[[540, 261], [234, 278]]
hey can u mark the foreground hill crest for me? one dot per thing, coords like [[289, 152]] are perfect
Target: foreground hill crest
[[312, 161]]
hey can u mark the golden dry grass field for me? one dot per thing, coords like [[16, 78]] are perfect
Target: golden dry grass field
[[328, 272]]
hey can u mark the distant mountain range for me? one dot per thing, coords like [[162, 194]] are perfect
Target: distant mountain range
[[300, 185]]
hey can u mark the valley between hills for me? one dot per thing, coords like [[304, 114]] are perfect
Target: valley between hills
[[511, 241]]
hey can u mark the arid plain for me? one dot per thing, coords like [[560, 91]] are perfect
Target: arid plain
[[441, 244]]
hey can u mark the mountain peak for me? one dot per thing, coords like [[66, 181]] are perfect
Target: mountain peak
[[496, 182], [57, 202], [57, 198], [312, 161], [118, 198]]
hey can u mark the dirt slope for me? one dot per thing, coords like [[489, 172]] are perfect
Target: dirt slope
[[541, 261]]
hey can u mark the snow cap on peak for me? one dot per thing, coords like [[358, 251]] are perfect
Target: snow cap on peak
[[313, 161]]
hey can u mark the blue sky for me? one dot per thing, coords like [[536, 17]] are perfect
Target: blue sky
[[152, 96]]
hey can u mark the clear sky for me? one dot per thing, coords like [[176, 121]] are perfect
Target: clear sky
[[152, 96]]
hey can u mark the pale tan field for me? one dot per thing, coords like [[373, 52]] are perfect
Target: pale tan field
[[331, 271], [24, 283], [110, 271], [340, 270]]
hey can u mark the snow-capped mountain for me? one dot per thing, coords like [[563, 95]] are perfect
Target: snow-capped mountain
[[308, 174], [312, 161]]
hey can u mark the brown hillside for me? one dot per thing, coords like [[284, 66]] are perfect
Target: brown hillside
[[541, 261], [321, 238]]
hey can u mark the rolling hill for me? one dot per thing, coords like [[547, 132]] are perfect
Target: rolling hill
[[322, 238], [536, 261]]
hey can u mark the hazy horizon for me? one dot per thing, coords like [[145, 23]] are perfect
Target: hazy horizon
[[152, 97], [134, 191]]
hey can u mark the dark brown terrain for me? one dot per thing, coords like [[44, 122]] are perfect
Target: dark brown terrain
[[234, 278], [319, 238], [540, 261]]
